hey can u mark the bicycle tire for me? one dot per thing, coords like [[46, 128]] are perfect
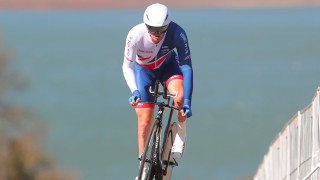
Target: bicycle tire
[[155, 167], [166, 158], [148, 152]]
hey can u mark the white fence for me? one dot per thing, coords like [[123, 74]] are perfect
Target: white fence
[[295, 153]]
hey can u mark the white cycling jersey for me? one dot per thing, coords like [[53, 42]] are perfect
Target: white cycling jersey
[[140, 49]]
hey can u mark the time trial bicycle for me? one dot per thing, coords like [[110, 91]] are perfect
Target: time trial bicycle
[[156, 160]]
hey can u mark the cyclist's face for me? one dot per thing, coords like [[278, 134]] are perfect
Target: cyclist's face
[[157, 33], [156, 38]]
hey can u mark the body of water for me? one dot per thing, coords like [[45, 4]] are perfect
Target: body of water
[[253, 70]]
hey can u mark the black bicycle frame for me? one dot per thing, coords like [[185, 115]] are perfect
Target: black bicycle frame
[[155, 160]]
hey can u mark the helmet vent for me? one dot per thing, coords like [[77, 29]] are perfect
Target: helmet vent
[[147, 16], [167, 17]]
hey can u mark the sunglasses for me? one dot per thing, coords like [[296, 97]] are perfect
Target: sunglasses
[[157, 30]]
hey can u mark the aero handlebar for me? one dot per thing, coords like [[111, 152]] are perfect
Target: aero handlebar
[[165, 94]]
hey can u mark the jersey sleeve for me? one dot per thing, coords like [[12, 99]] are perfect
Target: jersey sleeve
[[183, 50], [130, 53]]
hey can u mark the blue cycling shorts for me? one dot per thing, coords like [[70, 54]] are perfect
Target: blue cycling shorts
[[147, 77]]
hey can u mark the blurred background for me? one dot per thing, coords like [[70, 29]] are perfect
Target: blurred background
[[64, 111]]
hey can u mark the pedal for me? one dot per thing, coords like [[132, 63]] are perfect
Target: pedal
[[173, 164], [170, 163]]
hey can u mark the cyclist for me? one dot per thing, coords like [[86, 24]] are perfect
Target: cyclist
[[150, 55]]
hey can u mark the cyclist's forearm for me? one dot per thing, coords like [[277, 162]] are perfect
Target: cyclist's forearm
[[129, 75], [187, 84]]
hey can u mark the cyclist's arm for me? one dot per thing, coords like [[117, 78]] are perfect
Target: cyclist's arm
[[182, 46], [187, 83], [130, 54]]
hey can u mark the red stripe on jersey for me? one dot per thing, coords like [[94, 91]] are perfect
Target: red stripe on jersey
[[128, 59], [153, 65], [143, 59]]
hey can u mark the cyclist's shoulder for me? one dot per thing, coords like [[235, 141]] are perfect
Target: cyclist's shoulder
[[137, 30], [174, 27], [176, 32], [136, 34]]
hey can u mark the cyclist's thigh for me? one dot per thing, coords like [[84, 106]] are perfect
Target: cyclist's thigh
[[171, 69], [145, 78], [174, 79], [175, 86]]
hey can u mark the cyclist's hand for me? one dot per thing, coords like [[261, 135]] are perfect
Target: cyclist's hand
[[135, 98], [186, 109]]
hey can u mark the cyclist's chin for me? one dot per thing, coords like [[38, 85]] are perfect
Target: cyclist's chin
[[156, 38]]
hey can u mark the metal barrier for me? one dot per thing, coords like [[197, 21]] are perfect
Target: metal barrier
[[295, 153]]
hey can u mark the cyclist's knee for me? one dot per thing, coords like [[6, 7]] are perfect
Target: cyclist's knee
[[144, 112], [145, 116], [144, 126], [178, 101], [143, 130]]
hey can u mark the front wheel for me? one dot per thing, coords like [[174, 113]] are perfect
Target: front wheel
[[146, 170], [167, 160]]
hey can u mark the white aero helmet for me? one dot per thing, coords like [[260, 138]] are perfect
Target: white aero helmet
[[157, 15]]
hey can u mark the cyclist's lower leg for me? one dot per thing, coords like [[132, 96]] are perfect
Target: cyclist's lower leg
[[145, 119]]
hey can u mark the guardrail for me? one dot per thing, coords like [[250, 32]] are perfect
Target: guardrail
[[295, 153]]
